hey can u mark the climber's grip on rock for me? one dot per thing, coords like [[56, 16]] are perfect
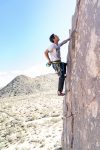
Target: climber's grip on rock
[[72, 33]]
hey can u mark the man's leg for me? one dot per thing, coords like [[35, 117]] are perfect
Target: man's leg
[[61, 77], [63, 66], [61, 83], [61, 70]]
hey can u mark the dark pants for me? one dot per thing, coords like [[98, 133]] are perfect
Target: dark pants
[[60, 68]]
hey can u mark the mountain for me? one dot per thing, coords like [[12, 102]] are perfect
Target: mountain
[[23, 85]]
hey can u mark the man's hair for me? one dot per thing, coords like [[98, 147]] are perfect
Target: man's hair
[[52, 38]]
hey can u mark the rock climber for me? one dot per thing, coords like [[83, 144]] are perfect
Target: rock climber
[[54, 58]]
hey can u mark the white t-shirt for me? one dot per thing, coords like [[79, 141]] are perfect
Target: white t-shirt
[[55, 52]]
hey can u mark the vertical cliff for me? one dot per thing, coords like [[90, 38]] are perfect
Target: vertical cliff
[[81, 126]]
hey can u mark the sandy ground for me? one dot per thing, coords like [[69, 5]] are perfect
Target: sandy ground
[[31, 122]]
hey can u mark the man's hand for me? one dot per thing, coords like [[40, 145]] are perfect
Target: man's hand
[[49, 62], [68, 39], [72, 33]]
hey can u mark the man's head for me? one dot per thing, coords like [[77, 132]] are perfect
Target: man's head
[[54, 38]]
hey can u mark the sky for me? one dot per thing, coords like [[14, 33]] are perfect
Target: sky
[[25, 27]]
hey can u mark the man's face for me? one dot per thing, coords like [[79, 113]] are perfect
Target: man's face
[[56, 38]]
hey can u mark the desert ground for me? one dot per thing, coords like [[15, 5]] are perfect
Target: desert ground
[[31, 122]]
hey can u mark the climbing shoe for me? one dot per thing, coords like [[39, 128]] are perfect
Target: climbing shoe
[[61, 94]]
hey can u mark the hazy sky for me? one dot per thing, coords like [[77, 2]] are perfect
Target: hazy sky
[[25, 27]]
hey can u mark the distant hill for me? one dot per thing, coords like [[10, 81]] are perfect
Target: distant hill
[[23, 85]]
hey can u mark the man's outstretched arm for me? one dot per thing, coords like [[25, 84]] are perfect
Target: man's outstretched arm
[[46, 53], [64, 42]]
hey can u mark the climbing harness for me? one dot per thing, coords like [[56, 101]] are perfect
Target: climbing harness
[[53, 62]]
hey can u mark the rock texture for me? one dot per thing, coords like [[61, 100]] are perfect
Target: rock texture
[[81, 127]]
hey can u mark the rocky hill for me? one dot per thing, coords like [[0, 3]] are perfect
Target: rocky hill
[[23, 85]]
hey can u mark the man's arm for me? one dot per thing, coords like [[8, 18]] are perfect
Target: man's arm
[[46, 53], [64, 42]]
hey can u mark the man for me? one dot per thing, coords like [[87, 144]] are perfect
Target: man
[[55, 59]]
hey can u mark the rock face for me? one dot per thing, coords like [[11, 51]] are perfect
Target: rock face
[[81, 126]]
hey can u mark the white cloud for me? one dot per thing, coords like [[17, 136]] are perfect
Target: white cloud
[[37, 70]]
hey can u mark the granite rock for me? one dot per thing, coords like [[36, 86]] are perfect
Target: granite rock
[[81, 114]]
